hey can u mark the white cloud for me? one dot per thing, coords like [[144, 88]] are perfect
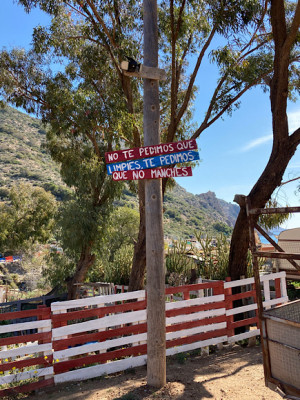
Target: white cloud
[[294, 123], [256, 143], [294, 166], [294, 120]]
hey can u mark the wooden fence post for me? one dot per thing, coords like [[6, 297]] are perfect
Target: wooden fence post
[[229, 306]]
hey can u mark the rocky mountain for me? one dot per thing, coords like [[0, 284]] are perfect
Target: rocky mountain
[[23, 158]]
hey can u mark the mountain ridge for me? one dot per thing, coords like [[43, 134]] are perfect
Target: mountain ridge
[[23, 158]]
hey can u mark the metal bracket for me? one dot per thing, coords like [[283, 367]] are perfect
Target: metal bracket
[[142, 71]]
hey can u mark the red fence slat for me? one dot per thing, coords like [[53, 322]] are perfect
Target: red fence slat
[[28, 362], [196, 338], [26, 313], [98, 312], [46, 336], [99, 336], [196, 308], [27, 388], [64, 366], [193, 324]]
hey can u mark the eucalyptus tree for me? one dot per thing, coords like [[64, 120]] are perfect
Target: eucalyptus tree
[[26, 217], [82, 108], [283, 82]]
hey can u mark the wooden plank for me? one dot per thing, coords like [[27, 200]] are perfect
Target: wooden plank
[[196, 338], [108, 344], [194, 331], [25, 350], [105, 322], [273, 243], [197, 345], [273, 302], [267, 295], [285, 210], [27, 388], [26, 363], [149, 151], [45, 336], [281, 256], [22, 376], [154, 162], [270, 277], [193, 287], [240, 282], [194, 323], [99, 358], [24, 326], [197, 301], [195, 316], [239, 296], [242, 336], [249, 281], [157, 173], [242, 309], [102, 369], [194, 309], [99, 312], [99, 336], [244, 322], [92, 301], [25, 314]]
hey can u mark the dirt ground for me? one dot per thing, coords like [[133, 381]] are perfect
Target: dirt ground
[[234, 373]]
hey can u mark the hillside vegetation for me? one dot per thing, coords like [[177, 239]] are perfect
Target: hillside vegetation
[[23, 158]]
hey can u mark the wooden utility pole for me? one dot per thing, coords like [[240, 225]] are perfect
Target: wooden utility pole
[[156, 338]]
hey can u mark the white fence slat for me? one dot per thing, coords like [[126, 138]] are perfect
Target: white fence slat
[[88, 348], [193, 331], [283, 286], [24, 326], [90, 301], [268, 304], [242, 309], [195, 316], [25, 375], [24, 350], [267, 295], [240, 282], [101, 369], [270, 277], [248, 281], [193, 302], [241, 336], [197, 345], [104, 322]]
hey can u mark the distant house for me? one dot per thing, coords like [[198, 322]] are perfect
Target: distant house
[[289, 241]]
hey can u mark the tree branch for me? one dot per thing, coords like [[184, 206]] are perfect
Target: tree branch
[[193, 77]]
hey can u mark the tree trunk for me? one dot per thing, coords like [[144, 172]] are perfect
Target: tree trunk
[[138, 269], [85, 262], [284, 146], [259, 195]]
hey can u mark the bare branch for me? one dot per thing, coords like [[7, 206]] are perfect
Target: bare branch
[[291, 180], [101, 22], [193, 77]]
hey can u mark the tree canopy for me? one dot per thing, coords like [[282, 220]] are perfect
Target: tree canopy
[[27, 217], [92, 107]]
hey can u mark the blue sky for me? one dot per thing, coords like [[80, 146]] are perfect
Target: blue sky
[[234, 151]]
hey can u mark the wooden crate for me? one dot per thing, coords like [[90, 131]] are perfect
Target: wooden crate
[[282, 336]]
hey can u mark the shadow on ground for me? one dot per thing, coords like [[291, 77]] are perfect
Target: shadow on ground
[[232, 373]]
